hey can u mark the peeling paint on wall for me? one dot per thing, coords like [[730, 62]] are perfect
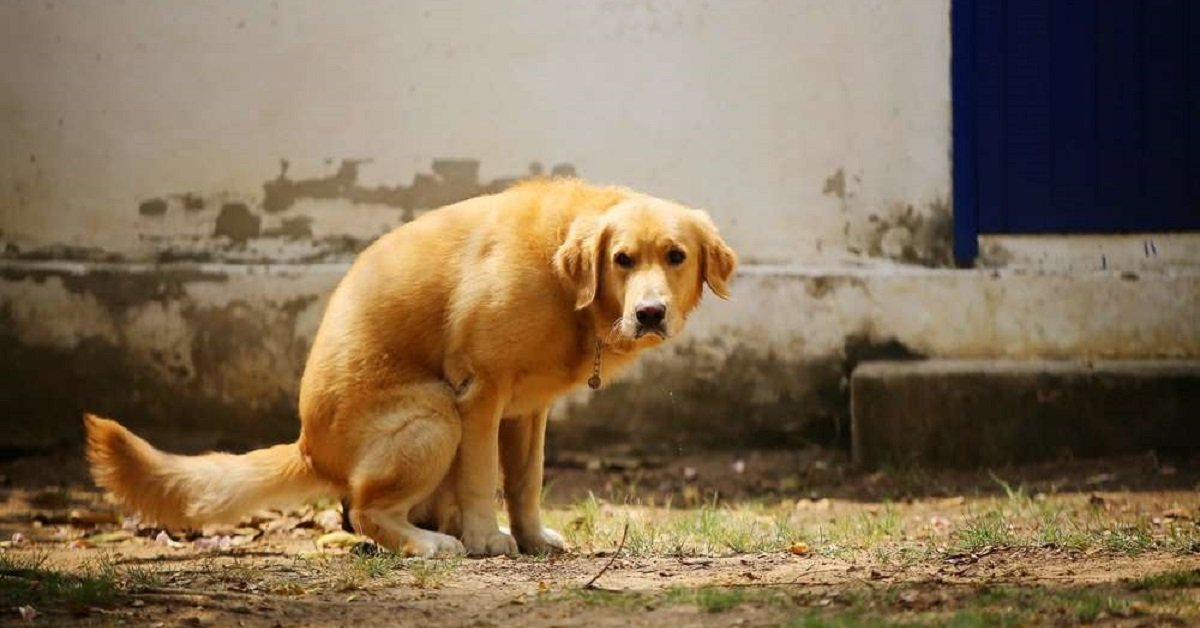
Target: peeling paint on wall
[[452, 180], [902, 233], [907, 235], [153, 207], [324, 218], [835, 185], [237, 223]]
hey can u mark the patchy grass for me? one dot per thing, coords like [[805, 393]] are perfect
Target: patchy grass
[[707, 599], [432, 573], [992, 606], [887, 533], [356, 572], [913, 604], [988, 529], [353, 572], [711, 529], [1174, 579], [26, 580], [1075, 605], [1055, 558]]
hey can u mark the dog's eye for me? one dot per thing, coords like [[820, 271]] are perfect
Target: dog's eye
[[675, 257], [623, 260]]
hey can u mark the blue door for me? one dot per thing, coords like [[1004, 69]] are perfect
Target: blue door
[[1075, 116]]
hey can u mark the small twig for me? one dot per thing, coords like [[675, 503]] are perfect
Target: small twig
[[590, 584]]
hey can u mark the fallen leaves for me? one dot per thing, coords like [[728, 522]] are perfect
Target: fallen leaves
[[108, 538], [339, 539], [165, 539], [85, 528], [83, 517], [221, 543]]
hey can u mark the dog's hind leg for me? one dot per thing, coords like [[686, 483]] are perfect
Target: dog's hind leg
[[409, 449]]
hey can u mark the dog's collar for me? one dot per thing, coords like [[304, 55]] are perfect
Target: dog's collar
[[594, 380]]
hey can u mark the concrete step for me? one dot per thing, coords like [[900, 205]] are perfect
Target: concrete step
[[973, 413]]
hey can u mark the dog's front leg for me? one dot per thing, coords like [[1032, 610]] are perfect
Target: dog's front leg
[[478, 458], [522, 455]]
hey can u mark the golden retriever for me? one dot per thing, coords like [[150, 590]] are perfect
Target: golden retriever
[[436, 363]]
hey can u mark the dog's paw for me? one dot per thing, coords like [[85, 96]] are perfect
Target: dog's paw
[[426, 544], [490, 544], [545, 541]]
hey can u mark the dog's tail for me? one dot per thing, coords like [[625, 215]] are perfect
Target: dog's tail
[[190, 491]]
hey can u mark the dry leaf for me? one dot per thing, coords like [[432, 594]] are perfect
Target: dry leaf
[[28, 613], [165, 539], [799, 548], [340, 538], [116, 536]]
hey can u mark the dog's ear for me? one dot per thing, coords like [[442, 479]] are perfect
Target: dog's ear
[[578, 259], [717, 260]]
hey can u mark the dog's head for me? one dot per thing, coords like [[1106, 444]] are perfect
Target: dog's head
[[641, 266]]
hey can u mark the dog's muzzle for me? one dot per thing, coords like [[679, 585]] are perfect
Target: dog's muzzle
[[651, 318]]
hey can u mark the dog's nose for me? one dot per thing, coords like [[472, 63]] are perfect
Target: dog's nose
[[651, 312]]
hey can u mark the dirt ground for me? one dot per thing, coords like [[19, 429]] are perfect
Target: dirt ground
[[750, 539]]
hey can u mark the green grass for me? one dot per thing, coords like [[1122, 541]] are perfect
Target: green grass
[[887, 533], [708, 530], [707, 599], [995, 606], [840, 618], [353, 572], [1175, 579], [26, 580], [431, 573], [1076, 604], [988, 529]]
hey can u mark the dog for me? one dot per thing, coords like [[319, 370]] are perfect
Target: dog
[[436, 362]]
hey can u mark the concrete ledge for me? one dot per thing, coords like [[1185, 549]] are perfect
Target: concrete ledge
[[968, 413]]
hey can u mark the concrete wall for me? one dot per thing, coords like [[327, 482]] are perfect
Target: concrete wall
[[185, 183], [793, 122]]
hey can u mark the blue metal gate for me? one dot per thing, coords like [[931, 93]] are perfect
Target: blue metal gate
[[1075, 116]]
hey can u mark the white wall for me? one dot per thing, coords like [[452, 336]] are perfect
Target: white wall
[[747, 108]]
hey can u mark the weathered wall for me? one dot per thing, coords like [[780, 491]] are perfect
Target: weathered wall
[[184, 184], [203, 356], [810, 129]]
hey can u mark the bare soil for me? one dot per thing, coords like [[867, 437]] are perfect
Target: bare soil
[[756, 538]]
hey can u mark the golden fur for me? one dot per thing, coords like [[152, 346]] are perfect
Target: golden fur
[[437, 360]]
